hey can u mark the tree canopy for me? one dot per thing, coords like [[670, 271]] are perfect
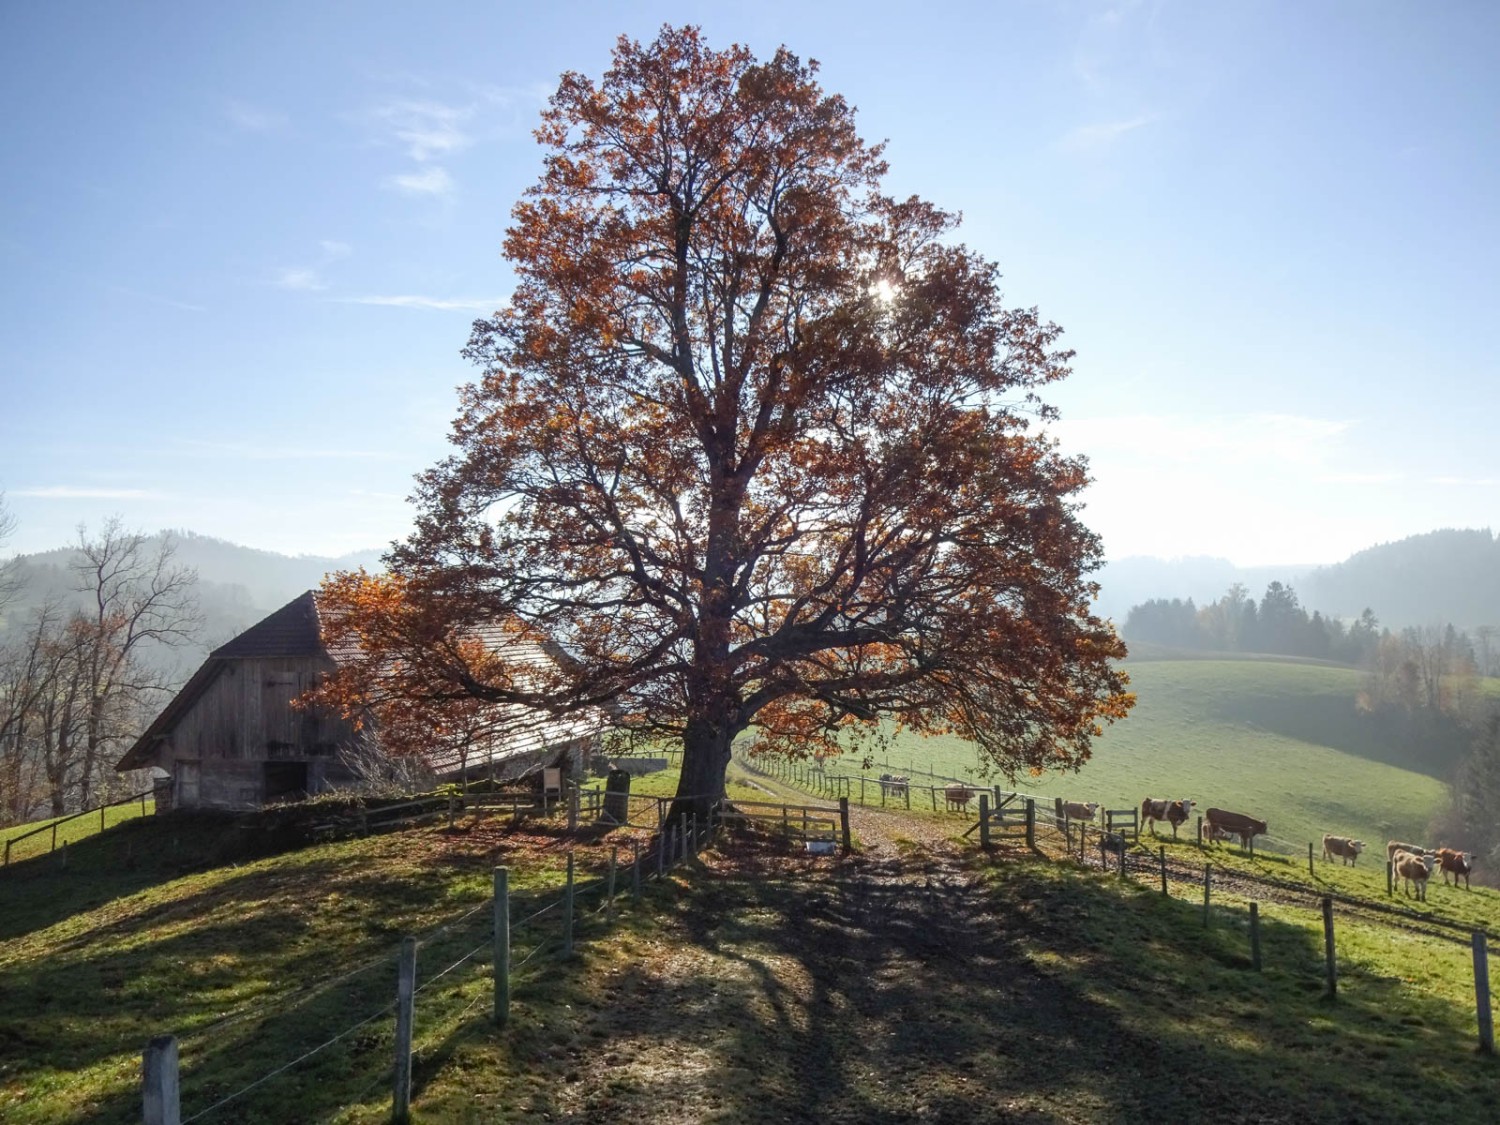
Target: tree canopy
[[754, 444]]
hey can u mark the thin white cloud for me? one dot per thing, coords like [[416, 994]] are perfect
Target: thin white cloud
[[1101, 135], [79, 492], [430, 181], [253, 119], [304, 280], [427, 129], [483, 304], [309, 279], [1480, 482]]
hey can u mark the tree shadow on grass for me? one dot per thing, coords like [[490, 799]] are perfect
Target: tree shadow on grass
[[773, 988], [1031, 998]]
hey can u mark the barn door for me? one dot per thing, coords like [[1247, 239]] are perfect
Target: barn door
[[186, 794]]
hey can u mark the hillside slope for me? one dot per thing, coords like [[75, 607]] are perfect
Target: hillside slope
[[753, 984], [1281, 740]]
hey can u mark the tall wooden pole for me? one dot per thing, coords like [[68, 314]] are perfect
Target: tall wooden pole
[[159, 1096], [406, 992], [1482, 994], [502, 944], [1333, 973]]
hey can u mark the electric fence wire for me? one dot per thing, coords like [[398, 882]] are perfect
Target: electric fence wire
[[288, 1066]]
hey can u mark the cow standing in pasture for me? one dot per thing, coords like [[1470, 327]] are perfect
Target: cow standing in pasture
[[958, 797], [1173, 812], [1078, 810], [1455, 863], [1395, 846], [1413, 870], [894, 785], [1238, 824], [1344, 848]]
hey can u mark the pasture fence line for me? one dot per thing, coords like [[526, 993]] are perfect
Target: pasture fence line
[[943, 794], [52, 826], [161, 1094], [1146, 866]]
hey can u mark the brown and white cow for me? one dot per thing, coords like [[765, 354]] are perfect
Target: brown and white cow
[[1455, 863], [1080, 810], [1395, 846], [1238, 824], [958, 797], [1344, 848], [1212, 833], [894, 785], [1413, 870], [1173, 812]]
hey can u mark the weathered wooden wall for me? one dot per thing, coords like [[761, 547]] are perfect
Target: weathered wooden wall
[[244, 720]]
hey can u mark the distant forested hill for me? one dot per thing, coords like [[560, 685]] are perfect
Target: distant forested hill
[[237, 586], [1129, 582], [1440, 578], [1443, 577]]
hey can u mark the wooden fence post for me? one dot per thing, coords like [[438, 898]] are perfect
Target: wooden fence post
[[1310, 870], [609, 896], [1162, 856], [568, 911], [1030, 822], [984, 821], [844, 824], [635, 869], [406, 992], [1333, 974], [1207, 884], [1390, 882], [159, 1097], [1255, 936], [661, 853], [502, 944], [1482, 994]]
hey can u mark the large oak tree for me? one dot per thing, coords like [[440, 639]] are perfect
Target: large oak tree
[[753, 444]]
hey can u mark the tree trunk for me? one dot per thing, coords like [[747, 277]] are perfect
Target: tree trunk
[[705, 759]]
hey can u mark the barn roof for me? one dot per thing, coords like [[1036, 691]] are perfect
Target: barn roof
[[293, 631]]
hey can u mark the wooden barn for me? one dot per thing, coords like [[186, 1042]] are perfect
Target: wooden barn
[[231, 739]]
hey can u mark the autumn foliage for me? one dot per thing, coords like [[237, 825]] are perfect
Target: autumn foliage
[[753, 442]]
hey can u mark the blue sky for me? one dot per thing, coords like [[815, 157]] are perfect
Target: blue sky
[[242, 246]]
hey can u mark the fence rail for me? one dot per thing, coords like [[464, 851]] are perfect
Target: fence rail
[[555, 913], [53, 825]]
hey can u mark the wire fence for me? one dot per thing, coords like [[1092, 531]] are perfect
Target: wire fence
[[553, 915]]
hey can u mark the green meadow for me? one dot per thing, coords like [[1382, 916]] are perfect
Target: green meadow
[[1284, 741]]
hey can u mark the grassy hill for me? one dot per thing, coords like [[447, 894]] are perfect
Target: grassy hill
[[1280, 739], [757, 984]]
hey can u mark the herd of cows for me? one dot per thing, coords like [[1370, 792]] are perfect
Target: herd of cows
[[1411, 863]]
